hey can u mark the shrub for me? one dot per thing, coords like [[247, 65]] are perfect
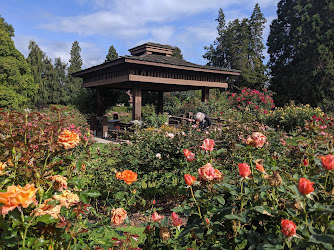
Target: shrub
[[291, 116]]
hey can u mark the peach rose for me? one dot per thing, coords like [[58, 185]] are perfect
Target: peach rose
[[118, 216], [61, 182], [256, 140], [207, 172], [18, 196], [2, 168], [129, 176], [45, 208], [67, 198], [68, 139]]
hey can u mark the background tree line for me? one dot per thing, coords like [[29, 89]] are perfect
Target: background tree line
[[300, 46], [300, 68]]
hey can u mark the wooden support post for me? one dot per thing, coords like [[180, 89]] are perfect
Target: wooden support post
[[136, 107], [160, 108], [99, 101], [104, 124], [93, 124], [205, 94]]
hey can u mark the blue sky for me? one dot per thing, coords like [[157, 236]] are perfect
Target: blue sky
[[97, 24]]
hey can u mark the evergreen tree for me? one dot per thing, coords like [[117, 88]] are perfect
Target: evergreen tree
[[112, 54], [6, 27], [74, 83], [61, 79], [177, 53], [239, 46], [301, 49], [44, 76], [17, 85]]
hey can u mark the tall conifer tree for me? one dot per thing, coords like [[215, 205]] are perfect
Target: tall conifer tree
[[61, 79], [301, 49], [112, 54], [74, 83], [239, 46]]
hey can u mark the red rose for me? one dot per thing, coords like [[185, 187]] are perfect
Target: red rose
[[288, 228], [176, 220], [189, 155], [305, 186], [189, 179], [244, 170]]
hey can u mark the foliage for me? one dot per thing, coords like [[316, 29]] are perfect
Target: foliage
[[239, 46], [291, 116], [300, 45], [74, 84], [124, 113], [45, 76], [151, 118], [17, 87], [35, 150], [252, 101], [177, 53], [7, 27], [112, 54]]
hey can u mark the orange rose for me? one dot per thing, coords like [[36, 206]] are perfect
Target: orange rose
[[68, 139], [259, 165], [118, 216], [129, 176], [328, 162], [18, 196], [119, 175]]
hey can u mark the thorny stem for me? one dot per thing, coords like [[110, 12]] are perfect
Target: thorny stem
[[242, 197], [305, 211], [199, 210], [326, 180]]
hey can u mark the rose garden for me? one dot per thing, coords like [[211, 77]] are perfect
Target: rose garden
[[261, 180]]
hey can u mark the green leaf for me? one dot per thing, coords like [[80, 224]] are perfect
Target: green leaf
[[84, 198], [242, 245], [47, 219], [234, 217], [199, 194], [119, 195], [262, 210], [92, 193], [325, 240], [221, 200], [40, 243]]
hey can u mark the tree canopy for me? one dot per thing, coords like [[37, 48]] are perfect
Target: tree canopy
[[301, 49], [112, 54], [239, 46], [74, 84], [17, 85]]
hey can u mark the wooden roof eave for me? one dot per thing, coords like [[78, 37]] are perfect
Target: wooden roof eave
[[124, 60], [81, 73], [165, 65]]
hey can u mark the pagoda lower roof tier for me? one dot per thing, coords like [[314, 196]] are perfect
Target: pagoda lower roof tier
[[155, 73]]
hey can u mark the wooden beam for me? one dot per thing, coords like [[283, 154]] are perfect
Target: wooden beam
[[105, 81], [205, 95], [136, 105], [138, 78], [160, 108]]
